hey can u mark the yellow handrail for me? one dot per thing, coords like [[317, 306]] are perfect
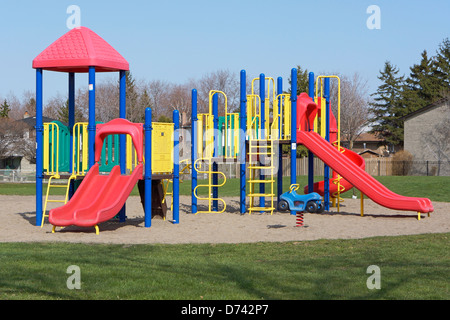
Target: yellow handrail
[[253, 114], [80, 145], [205, 120], [281, 117], [49, 163], [211, 95], [232, 135], [267, 100]]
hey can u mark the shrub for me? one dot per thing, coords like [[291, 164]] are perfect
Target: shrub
[[401, 163]]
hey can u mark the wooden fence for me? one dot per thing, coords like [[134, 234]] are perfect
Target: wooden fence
[[374, 167]]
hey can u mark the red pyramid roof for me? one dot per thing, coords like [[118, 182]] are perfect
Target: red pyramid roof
[[79, 49]]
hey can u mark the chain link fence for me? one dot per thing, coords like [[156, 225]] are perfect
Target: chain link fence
[[17, 175]]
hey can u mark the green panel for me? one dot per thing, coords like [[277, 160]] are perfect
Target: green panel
[[64, 147], [110, 152], [220, 142]]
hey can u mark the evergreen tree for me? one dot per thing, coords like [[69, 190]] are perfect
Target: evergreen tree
[[132, 97], [442, 65], [63, 113], [422, 87], [387, 107], [302, 81], [4, 109], [143, 103]]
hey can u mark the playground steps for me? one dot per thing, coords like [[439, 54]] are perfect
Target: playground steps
[[261, 166], [51, 186]]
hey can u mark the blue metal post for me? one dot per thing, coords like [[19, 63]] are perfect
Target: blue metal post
[[326, 188], [39, 147], [242, 134], [91, 124], [71, 124], [262, 96], [280, 146], [310, 154], [123, 137], [148, 168], [194, 150], [71, 114], [123, 115], [215, 167], [176, 168], [293, 128]]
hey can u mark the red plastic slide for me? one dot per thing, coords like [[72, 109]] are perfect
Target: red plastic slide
[[99, 198], [307, 110], [319, 186], [358, 177]]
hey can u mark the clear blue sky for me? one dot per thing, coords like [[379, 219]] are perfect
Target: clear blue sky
[[178, 40]]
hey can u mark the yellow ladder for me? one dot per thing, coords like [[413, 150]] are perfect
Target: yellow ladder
[[261, 149], [210, 185], [49, 186]]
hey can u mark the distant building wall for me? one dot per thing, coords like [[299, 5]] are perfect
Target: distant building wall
[[427, 135]]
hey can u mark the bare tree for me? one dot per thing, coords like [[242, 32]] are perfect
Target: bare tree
[[158, 93], [221, 80], [354, 112], [11, 137], [179, 98]]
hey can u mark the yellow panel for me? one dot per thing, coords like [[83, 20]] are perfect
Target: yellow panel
[[162, 147]]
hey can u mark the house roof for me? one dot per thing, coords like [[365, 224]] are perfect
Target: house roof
[[370, 151], [31, 121], [79, 49], [426, 108], [366, 137]]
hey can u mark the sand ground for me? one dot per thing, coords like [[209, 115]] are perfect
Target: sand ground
[[18, 224]]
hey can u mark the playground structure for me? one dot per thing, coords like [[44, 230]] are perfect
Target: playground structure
[[269, 120], [103, 162], [79, 152]]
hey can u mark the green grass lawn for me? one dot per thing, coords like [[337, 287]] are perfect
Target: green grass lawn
[[411, 267], [434, 188]]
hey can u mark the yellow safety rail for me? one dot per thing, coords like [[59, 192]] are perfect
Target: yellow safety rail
[[269, 99], [80, 149], [51, 157], [253, 116], [281, 125], [228, 130], [205, 134], [210, 184], [210, 99], [51, 164], [337, 143], [231, 135]]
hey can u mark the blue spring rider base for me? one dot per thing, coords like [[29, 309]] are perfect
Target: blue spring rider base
[[291, 200]]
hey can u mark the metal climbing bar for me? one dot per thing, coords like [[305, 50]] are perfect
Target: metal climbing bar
[[210, 185]]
